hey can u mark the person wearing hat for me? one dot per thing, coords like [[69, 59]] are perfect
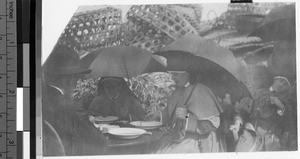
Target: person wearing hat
[[269, 118], [192, 116], [116, 99], [66, 127]]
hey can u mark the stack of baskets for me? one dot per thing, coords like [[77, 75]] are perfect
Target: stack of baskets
[[88, 31], [148, 26], [154, 26]]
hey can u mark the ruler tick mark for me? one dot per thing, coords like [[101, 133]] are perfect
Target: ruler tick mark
[[6, 56]]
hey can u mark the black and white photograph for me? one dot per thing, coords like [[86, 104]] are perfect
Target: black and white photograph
[[169, 78]]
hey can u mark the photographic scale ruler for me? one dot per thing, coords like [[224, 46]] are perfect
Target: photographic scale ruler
[[8, 79]]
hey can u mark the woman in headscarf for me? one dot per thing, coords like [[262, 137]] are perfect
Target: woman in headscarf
[[116, 99]]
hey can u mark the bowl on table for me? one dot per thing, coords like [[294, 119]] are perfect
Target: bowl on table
[[147, 125], [103, 120], [127, 133], [105, 127]]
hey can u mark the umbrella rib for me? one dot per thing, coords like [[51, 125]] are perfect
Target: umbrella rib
[[126, 70]]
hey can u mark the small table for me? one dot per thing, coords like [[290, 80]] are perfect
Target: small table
[[140, 145]]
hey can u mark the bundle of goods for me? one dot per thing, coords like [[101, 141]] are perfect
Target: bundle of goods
[[252, 53], [154, 26], [241, 45], [152, 89], [252, 13], [88, 31], [85, 91]]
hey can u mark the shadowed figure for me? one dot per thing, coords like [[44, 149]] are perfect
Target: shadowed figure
[[116, 99], [66, 127]]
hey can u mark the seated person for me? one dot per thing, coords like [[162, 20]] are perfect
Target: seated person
[[116, 99]]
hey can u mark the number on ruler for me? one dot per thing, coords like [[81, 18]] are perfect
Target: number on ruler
[[0, 135], [0, 57], [0, 38], [0, 96], [11, 141], [11, 91], [0, 116]]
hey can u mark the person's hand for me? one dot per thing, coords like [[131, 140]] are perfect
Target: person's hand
[[181, 113], [153, 115], [277, 102], [92, 119], [227, 100], [235, 129]]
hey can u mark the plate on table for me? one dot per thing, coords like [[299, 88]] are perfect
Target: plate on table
[[127, 133], [104, 120], [147, 125], [105, 127]]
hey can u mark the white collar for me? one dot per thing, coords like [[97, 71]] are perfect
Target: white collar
[[60, 90], [187, 84]]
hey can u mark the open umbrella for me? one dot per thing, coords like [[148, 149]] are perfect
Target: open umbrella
[[124, 61], [279, 24], [209, 64]]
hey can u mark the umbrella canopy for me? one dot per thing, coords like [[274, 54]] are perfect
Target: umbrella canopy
[[279, 24], [124, 61], [211, 64], [283, 60], [212, 56]]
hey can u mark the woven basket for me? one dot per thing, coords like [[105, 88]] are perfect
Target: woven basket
[[91, 30], [155, 26]]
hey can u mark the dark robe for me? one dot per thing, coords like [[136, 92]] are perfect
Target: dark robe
[[76, 133], [269, 126], [120, 107], [199, 133]]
